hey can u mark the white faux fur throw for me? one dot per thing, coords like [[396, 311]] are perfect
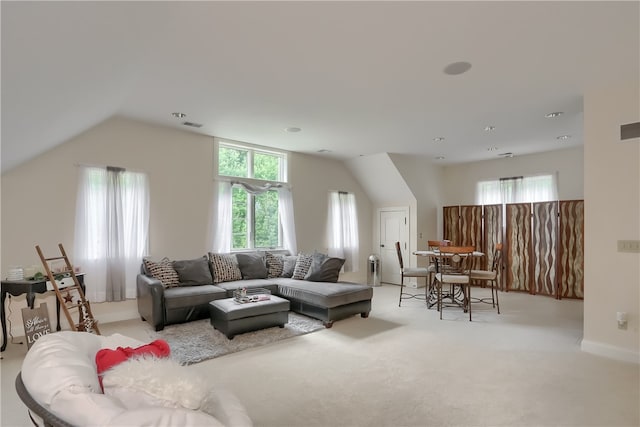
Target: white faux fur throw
[[162, 379]]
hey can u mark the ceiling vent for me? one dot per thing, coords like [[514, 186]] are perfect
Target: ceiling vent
[[630, 131], [506, 155], [193, 125]]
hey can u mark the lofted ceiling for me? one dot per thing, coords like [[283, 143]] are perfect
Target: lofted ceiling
[[358, 78]]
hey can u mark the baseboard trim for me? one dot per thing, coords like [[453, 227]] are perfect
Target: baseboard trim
[[609, 351]]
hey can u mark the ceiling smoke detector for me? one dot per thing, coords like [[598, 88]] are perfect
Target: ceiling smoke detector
[[179, 115], [456, 68], [292, 130]]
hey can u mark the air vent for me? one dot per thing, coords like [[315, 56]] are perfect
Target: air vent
[[506, 155], [193, 125], [630, 131]]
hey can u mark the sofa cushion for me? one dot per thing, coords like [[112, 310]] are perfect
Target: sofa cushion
[[194, 271], [252, 265], [162, 271], [225, 267], [323, 294], [324, 268], [189, 296], [303, 263]]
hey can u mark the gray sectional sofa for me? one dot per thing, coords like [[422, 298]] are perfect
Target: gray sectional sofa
[[185, 295]]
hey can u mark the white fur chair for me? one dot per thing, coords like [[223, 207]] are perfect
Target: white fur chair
[[59, 375]]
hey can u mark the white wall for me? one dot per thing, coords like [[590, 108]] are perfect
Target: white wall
[[460, 180], [612, 212], [38, 199]]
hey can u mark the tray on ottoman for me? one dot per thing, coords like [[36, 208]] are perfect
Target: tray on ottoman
[[231, 317]]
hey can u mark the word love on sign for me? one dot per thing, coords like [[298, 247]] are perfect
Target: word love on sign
[[36, 323]]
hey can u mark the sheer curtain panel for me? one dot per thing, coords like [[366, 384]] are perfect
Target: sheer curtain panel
[[342, 230], [111, 230]]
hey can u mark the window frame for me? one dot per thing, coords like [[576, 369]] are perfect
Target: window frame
[[283, 173]]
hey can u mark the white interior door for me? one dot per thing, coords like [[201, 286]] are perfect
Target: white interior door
[[393, 228]]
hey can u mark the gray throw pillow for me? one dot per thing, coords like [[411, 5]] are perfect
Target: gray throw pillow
[[194, 271], [288, 265], [324, 268], [252, 265]]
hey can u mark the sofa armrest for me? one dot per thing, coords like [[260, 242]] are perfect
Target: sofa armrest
[[150, 293]]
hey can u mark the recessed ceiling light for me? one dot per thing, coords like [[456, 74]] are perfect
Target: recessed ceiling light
[[563, 137], [179, 115], [293, 130], [456, 68], [440, 158], [492, 148], [489, 128], [438, 139], [554, 114]]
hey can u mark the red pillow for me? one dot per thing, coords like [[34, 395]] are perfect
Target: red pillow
[[107, 358]]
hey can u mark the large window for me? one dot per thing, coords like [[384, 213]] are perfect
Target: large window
[[255, 176], [528, 189]]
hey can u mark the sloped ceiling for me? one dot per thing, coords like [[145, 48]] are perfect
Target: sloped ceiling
[[359, 78]]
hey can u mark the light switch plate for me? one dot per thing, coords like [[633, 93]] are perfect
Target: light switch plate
[[629, 246]]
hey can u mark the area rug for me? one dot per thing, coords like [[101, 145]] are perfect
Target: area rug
[[197, 341]]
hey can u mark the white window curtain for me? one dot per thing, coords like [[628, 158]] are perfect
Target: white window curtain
[[111, 230], [285, 207], [530, 189], [342, 229], [222, 220]]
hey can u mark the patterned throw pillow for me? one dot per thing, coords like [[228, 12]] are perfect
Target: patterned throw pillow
[[303, 264], [225, 268], [275, 264], [163, 271]]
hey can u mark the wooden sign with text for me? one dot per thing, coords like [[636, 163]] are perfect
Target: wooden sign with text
[[36, 323]]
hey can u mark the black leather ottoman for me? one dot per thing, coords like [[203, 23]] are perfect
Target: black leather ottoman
[[232, 318]]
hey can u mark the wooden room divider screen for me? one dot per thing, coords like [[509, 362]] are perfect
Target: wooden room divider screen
[[543, 250]]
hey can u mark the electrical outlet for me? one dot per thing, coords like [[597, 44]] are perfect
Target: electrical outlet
[[629, 246]]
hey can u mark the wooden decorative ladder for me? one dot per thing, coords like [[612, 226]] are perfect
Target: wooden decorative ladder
[[86, 321]]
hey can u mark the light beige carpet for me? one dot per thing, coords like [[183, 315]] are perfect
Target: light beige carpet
[[404, 367]]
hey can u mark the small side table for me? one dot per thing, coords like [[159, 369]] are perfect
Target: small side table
[[31, 288]]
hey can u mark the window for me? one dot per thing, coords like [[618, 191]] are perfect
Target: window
[[111, 230], [256, 177], [342, 230], [530, 189]]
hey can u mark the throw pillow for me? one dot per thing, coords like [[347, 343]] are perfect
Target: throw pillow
[[193, 271], [302, 266], [162, 271], [289, 264], [252, 265], [275, 264], [225, 268], [324, 268]]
